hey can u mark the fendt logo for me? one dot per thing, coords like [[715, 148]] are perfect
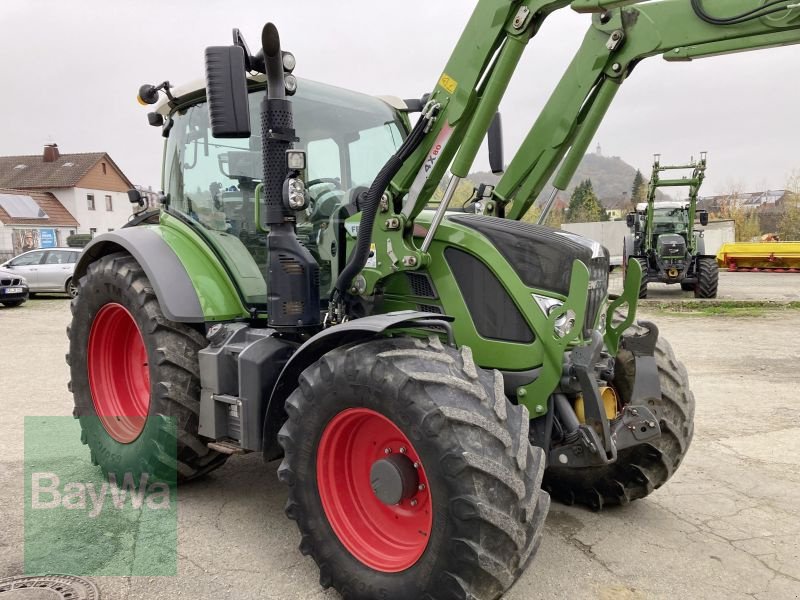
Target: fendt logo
[[47, 492]]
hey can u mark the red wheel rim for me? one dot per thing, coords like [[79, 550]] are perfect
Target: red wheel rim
[[119, 374], [387, 538]]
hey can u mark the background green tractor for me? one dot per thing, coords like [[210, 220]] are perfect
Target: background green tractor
[[663, 237], [426, 377]]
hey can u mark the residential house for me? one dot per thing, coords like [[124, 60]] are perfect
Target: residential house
[[32, 219], [90, 186]]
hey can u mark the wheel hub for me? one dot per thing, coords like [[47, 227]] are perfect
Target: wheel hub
[[394, 479]]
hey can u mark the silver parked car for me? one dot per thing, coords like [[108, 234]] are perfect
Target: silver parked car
[[47, 269]]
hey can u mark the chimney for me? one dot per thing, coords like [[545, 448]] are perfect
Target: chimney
[[51, 153]]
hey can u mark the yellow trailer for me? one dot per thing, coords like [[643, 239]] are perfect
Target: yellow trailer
[[758, 256]]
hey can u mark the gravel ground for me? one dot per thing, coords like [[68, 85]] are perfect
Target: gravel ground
[[726, 526]]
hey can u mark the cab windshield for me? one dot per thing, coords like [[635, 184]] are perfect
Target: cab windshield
[[348, 138], [670, 220]]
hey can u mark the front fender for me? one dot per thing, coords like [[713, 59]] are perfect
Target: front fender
[[190, 283], [353, 331]]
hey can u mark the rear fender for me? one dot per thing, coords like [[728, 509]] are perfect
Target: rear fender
[[189, 282], [357, 330]]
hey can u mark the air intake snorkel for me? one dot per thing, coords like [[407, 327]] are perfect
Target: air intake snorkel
[[292, 273]]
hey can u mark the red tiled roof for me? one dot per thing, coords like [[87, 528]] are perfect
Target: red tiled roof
[[30, 171], [57, 215]]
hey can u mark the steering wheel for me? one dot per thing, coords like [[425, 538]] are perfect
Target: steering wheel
[[331, 180]]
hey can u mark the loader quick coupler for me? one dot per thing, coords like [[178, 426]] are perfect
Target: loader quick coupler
[[597, 441]]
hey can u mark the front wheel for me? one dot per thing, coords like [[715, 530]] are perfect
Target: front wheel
[[638, 470], [707, 278], [12, 303], [410, 474]]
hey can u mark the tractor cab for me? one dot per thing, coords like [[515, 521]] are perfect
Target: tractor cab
[[211, 182]]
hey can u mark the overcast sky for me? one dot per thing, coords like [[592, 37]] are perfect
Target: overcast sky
[[71, 69]]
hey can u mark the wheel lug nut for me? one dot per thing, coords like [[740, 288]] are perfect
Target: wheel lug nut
[[421, 487], [413, 503], [402, 450], [387, 450], [416, 465]]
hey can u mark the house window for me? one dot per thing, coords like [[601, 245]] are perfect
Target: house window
[[109, 203], [103, 165], [92, 231], [90, 201], [111, 229]]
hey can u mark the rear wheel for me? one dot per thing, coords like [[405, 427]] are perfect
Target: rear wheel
[[410, 474], [707, 278], [135, 376], [638, 470]]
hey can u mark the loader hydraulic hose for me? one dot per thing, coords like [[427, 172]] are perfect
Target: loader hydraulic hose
[[750, 15], [370, 208]]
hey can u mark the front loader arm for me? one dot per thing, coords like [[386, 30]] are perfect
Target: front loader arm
[[671, 28], [477, 74]]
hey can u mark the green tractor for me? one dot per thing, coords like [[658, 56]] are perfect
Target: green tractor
[[663, 238], [429, 378]]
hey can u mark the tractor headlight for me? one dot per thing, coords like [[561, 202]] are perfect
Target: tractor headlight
[[296, 192], [564, 323]]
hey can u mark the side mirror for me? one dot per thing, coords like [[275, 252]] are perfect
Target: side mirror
[[226, 90], [495, 137], [135, 197], [703, 217], [630, 219]]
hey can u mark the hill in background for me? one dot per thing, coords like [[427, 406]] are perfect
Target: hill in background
[[612, 179]]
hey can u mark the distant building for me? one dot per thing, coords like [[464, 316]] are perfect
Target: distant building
[[769, 201], [90, 186], [151, 198], [617, 207], [32, 219]]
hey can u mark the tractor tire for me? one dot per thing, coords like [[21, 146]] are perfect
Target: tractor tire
[[707, 278], [643, 284], [471, 518], [135, 377], [12, 303], [638, 470], [687, 287]]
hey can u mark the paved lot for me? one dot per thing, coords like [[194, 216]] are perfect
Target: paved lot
[[732, 286], [726, 526]]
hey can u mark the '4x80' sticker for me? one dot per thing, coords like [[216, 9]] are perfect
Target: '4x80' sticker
[[430, 163]]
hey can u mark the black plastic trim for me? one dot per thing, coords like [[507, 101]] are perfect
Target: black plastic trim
[[170, 281]]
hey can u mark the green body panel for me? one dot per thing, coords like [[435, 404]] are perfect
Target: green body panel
[[217, 291], [546, 351]]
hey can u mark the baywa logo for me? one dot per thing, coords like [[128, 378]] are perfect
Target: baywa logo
[[118, 518], [48, 492]]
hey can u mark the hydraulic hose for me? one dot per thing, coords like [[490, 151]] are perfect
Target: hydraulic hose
[[750, 15], [370, 207]]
